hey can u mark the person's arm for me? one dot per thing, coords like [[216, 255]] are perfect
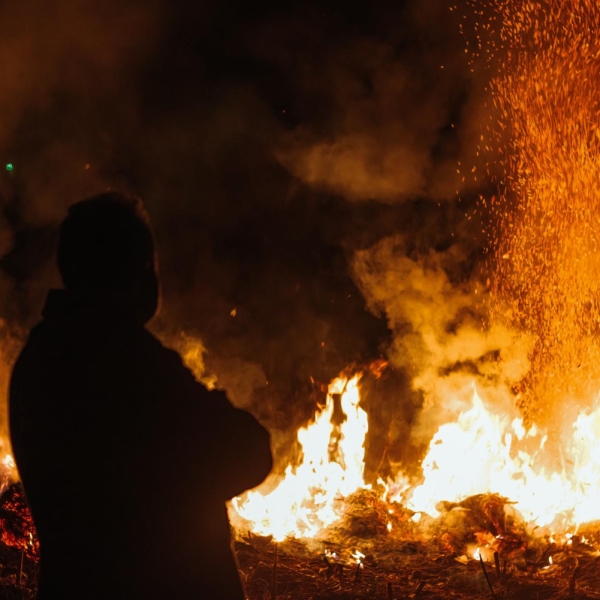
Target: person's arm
[[241, 445], [231, 448]]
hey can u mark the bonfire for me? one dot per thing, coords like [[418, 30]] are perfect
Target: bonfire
[[487, 517], [508, 500]]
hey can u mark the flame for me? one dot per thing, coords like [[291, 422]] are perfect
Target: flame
[[9, 473], [9, 462], [482, 451], [485, 452], [308, 498]]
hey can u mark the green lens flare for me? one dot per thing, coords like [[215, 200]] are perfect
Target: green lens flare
[[9, 166]]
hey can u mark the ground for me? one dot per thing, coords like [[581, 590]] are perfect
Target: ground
[[403, 563]]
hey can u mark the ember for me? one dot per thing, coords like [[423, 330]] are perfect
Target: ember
[[19, 547], [546, 232], [17, 530]]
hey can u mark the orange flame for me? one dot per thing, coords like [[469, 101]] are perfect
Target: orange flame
[[480, 452], [485, 452], [308, 498]]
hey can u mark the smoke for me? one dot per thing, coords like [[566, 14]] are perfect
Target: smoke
[[67, 70], [299, 164], [61, 65], [387, 108], [437, 315]]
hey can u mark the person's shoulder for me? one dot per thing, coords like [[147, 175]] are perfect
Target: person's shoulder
[[170, 363], [38, 343], [38, 333]]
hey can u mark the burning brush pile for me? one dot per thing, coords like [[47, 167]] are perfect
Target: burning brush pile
[[19, 547], [506, 502], [321, 532]]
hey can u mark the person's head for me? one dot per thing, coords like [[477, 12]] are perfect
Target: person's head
[[106, 247]]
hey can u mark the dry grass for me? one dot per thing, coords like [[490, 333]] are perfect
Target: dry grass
[[408, 563]]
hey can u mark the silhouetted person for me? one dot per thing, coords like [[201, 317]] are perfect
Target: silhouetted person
[[126, 460]]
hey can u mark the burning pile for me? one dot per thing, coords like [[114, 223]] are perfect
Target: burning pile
[[540, 457], [485, 452], [481, 452], [530, 532]]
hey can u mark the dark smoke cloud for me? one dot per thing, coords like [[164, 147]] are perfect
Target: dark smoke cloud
[[62, 66], [387, 105], [247, 129], [68, 71]]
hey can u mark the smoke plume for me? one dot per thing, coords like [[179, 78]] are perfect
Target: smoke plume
[[437, 316], [300, 164]]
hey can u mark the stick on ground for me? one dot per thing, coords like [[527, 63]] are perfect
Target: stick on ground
[[20, 576], [573, 581], [329, 568], [497, 563], [358, 566], [274, 592], [486, 577]]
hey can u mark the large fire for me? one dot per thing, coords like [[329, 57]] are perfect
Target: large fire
[[480, 452], [542, 452], [486, 452]]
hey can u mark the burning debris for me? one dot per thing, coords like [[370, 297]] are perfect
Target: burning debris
[[479, 452], [309, 498], [17, 529], [414, 563], [19, 547], [439, 523]]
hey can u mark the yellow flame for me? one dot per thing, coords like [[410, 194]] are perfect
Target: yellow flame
[[480, 452], [308, 498], [484, 452], [9, 462]]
